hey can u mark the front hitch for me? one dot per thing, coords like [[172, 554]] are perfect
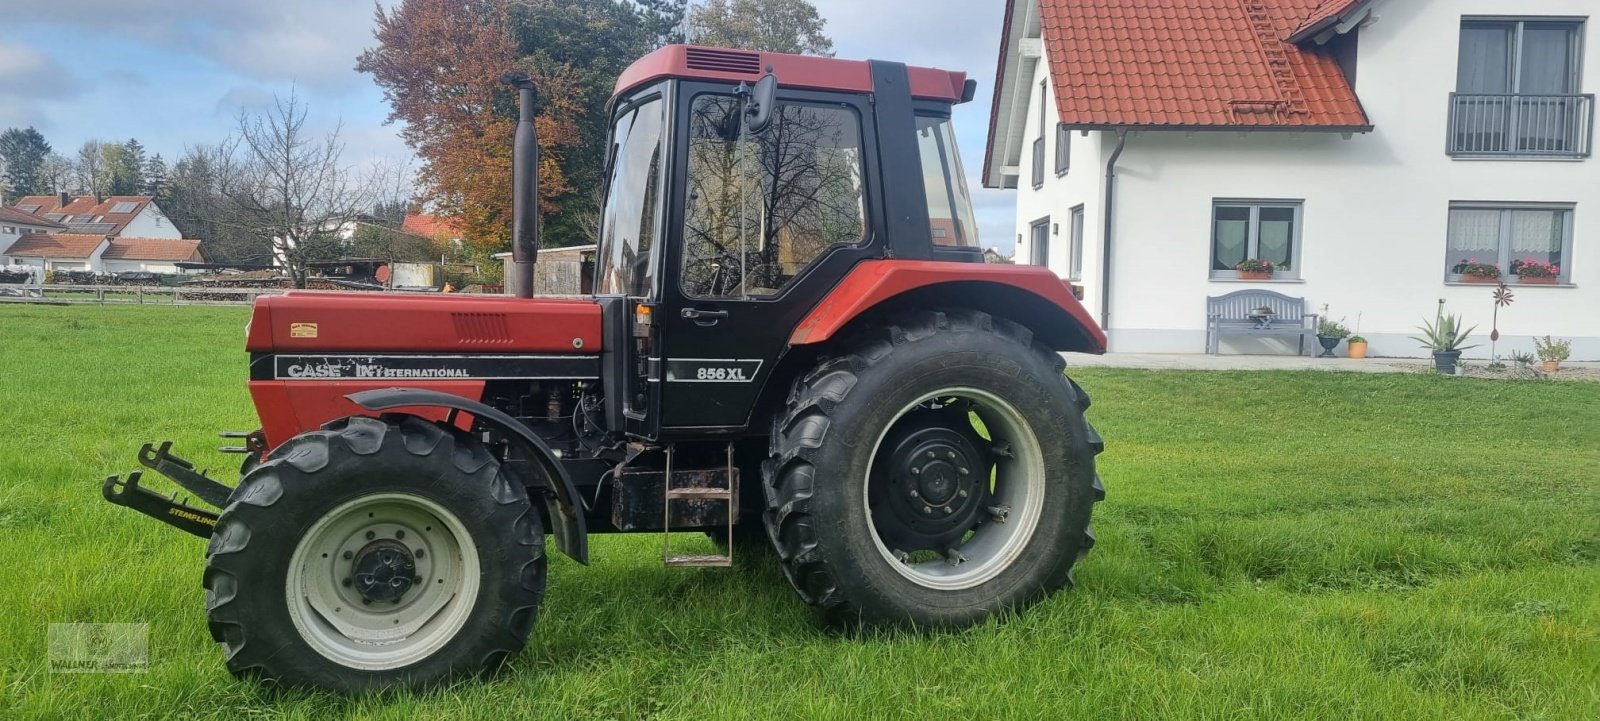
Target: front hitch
[[168, 509]]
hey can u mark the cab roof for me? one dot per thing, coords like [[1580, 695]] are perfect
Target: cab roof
[[693, 62]]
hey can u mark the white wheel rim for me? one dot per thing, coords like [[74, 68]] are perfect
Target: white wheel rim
[[1018, 486], [381, 635]]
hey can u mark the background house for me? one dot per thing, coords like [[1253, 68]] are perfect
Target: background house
[[101, 253], [135, 216], [15, 224], [1371, 145]]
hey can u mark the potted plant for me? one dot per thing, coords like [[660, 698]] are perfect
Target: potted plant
[[1552, 352], [1530, 271], [1329, 333], [1472, 271], [1444, 337], [1357, 346], [1256, 269]]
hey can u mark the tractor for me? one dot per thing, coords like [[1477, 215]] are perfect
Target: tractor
[[793, 345]]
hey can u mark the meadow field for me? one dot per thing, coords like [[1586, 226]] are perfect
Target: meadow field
[[1273, 546]]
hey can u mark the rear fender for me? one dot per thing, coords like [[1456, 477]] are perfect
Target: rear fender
[[1032, 296], [566, 513]]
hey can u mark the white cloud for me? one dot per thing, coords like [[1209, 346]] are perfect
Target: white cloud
[[313, 42], [28, 80]]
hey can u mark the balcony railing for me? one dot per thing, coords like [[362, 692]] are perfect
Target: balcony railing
[[1038, 163], [1553, 126]]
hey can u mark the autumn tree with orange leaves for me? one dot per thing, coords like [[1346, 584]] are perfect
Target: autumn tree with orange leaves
[[439, 63]]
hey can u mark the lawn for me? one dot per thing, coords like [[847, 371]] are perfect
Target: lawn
[[1274, 545]]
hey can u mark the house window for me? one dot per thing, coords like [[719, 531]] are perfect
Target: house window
[[11, 229], [1259, 229], [1518, 89], [1507, 234], [1038, 143], [1076, 268], [1063, 149], [1039, 241]]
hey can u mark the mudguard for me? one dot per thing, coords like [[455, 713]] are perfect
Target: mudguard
[[1032, 296], [566, 513]]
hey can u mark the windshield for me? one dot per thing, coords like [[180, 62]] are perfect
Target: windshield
[[632, 210]]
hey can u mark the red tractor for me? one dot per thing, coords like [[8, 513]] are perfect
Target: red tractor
[[793, 331]]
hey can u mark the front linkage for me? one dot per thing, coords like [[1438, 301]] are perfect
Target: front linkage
[[168, 509]]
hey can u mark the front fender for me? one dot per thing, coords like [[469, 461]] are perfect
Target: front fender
[[566, 513]]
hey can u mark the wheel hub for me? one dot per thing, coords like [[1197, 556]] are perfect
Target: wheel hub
[[935, 481], [383, 571]]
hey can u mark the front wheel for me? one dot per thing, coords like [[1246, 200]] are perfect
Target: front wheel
[[938, 473], [374, 553]]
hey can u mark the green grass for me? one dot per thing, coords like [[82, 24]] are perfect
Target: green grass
[[1274, 545]]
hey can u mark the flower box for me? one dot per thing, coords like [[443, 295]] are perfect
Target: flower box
[[1537, 280]]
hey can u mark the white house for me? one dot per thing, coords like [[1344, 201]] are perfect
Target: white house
[[14, 224], [1371, 146], [133, 216], [100, 253]]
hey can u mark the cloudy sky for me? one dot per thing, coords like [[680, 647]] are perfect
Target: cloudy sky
[[175, 72]]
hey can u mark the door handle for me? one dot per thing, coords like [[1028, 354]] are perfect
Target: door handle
[[704, 317]]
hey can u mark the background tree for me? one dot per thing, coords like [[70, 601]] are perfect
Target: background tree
[[780, 26], [155, 177], [288, 187], [439, 63], [22, 155], [124, 167], [57, 172], [89, 168]]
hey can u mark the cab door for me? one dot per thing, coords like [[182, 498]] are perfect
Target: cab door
[[767, 225]]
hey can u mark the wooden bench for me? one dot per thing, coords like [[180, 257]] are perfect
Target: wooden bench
[[1235, 314]]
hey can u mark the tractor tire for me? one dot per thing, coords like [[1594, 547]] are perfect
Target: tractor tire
[[880, 451], [374, 553]]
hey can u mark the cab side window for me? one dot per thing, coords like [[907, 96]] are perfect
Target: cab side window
[[761, 208]]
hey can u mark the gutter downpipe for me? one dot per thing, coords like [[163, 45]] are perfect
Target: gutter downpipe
[[1110, 210]]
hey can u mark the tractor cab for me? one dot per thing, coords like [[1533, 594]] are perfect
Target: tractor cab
[[741, 188]]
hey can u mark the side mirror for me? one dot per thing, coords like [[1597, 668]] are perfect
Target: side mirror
[[758, 108]]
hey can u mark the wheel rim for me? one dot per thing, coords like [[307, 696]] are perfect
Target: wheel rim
[[969, 498], [348, 591]]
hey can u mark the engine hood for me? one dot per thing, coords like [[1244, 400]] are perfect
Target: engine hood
[[422, 323]]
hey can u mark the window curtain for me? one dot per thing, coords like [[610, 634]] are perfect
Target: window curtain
[[1485, 64], [1546, 59], [1232, 234], [1537, 234], [1474, 234], [1276, 241]]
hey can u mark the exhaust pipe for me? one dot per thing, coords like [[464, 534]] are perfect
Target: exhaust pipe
[[524, 190]]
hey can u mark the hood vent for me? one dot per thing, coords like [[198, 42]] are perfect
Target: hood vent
[[725, 61], [481, 328]]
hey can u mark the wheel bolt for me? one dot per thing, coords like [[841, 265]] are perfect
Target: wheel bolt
[[371, 535], [931, 454], [950, 455], [346, 582], [927, 510], [349, 555], [366, 601], [915, 471], [963, 471], [399, 534], [948, 510], [420, 553], [914, 493]]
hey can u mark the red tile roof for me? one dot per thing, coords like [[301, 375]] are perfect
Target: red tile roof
[[1327, 12], [84, 209], [431, 226], [55, 245], [153, 249], [1193, 64], [12, 215]]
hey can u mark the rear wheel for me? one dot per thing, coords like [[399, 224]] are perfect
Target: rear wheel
[[938, 473], [374, 553]]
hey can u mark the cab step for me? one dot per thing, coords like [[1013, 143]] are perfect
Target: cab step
[[727, 495]]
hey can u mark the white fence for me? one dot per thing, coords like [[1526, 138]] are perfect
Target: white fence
[[118, 294]]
